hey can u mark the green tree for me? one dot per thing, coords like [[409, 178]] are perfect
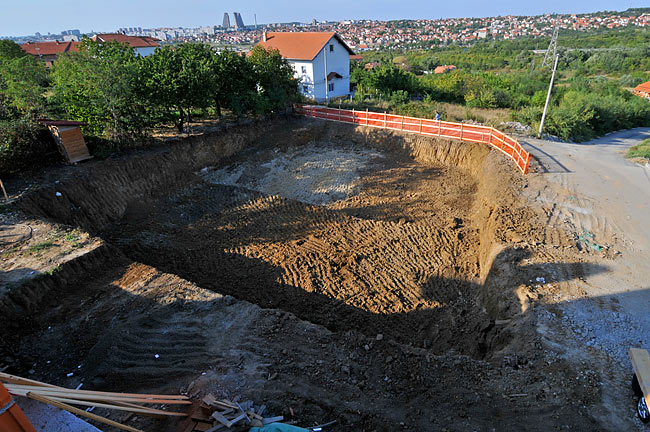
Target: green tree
[[99, 85], [388, 79], [179, 79], [23, 82], [10, 50], [275, 79], [235, 83]]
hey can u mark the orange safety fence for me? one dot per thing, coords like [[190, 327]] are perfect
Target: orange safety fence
[[459, 131]]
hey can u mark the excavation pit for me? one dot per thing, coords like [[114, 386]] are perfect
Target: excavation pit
[[331, 268], [345, 227]]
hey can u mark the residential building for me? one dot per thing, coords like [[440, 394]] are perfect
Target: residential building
[[643, 90], [142, 45], [444, 69], [49, 51], [239, 23], [321, 61]]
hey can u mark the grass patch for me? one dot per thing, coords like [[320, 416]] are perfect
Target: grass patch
[[640, 150], [9, 252], [40, 247], [73, 236]]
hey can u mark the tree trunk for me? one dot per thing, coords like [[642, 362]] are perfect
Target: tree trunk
[[218, 107], [181, 120]]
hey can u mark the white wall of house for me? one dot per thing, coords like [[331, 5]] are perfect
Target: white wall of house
[[145, 51], [304, 72], [312, 80]]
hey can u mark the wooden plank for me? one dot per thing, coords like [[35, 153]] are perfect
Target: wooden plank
[[270, 420], [221, 419], [14, 379], [641, 364], [75, 146], [139, 410], [4, 191], [203, 427], [52, 388], [81, 412], [76, 395]]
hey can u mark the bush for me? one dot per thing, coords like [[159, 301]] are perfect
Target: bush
[[24, 145], [399, 97]]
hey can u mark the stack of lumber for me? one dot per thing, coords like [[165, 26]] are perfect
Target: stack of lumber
[[224, 415], [64, 398]]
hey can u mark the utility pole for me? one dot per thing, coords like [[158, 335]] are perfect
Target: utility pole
[[551, 52], [327, 90], [548, 96]]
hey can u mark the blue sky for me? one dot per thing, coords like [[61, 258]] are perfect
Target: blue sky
[[21, 17]]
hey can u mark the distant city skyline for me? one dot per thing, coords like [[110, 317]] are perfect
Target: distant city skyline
[[19, 18]]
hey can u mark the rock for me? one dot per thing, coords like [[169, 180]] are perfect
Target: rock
[[379, 337]]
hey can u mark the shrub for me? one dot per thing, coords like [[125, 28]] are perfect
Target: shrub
[[24, 145]]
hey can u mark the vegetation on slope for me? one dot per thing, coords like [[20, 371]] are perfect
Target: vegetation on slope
[[591, 97], [641, 150]]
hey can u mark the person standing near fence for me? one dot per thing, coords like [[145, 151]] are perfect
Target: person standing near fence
[[437, 116]]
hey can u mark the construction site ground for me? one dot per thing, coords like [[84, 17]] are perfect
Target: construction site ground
[[332, 272]]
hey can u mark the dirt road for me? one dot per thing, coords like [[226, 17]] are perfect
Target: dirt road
[[591, 189]]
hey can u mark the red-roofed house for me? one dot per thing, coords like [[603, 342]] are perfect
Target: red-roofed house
[[321, 61], [444, 69], [48, 51], [643, 90], [143, 45]]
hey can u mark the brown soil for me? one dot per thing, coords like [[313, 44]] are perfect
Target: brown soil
[[410, 305]]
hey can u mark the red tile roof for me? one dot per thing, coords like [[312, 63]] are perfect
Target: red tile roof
[[643, 87], [133, 41], [443, 69], [300, 45], [49, 48]]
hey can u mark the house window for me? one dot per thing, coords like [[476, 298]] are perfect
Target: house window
[[331, 48], [305, 89], [330, 87], [304, 69]]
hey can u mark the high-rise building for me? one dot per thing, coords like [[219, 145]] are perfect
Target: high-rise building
[[239, 23], [226, 21]]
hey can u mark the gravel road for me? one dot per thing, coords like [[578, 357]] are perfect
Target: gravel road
[[605, 199]]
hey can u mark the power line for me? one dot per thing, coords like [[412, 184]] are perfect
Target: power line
[[551, 52]]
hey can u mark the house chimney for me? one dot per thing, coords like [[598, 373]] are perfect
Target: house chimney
[[264, 36]]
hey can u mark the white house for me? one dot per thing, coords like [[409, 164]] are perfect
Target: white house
[[321, 61], [142, 45]]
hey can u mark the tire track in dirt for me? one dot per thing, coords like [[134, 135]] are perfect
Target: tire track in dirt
[[345, 267]]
